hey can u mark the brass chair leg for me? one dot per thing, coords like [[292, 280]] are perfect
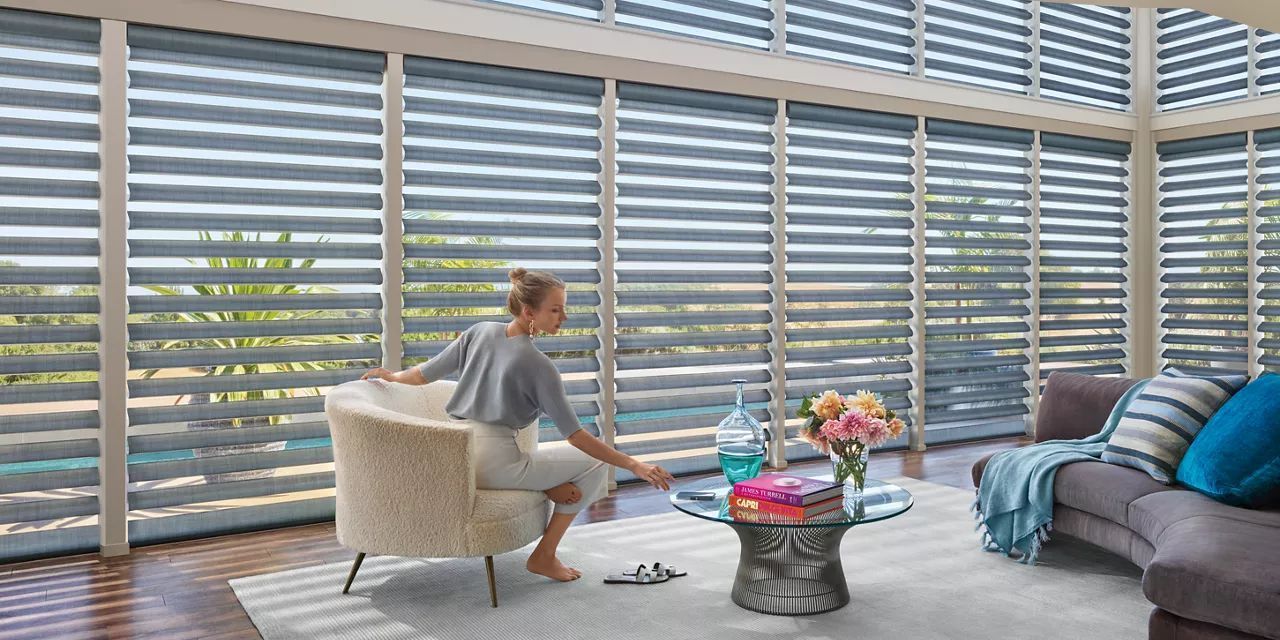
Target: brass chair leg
[[354, 568], [493, 585]]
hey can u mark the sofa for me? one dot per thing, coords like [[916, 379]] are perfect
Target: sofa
[[1211, 570]]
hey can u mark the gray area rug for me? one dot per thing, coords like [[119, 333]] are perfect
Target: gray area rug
[[915, 577]]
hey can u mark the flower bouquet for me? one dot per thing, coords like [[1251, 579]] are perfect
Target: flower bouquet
[[846, 428]]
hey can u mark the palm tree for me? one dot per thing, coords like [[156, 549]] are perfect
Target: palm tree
[[252, 342]]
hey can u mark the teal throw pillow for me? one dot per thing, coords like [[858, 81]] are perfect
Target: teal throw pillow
[[1236, 457], [1160, 424]]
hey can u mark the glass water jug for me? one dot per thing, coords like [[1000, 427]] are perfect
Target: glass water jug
[[740, 442]]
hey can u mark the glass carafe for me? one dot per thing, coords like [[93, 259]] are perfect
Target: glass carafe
[[740, 442]]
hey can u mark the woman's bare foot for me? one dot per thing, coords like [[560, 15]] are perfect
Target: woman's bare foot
[[567, 493], [551, 568]]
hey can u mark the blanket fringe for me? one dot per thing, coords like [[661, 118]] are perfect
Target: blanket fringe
[[1036, 540]]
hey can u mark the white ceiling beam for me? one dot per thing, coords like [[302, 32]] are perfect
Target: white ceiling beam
[[1228, 117]]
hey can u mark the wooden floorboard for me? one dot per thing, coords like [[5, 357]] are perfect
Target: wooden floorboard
[[179, 591]]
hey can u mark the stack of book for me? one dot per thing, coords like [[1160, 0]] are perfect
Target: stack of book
[[778, 496]]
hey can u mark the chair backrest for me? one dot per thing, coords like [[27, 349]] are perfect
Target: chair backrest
[[404, 471]]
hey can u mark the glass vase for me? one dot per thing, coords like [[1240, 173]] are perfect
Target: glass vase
[[740, 442], [850, 470]]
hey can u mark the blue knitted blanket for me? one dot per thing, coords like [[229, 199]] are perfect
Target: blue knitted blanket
[[1014, 505]]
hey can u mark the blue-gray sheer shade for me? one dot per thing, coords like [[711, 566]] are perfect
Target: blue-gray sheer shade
[[48, 285], [254, 224], [1203, 250]]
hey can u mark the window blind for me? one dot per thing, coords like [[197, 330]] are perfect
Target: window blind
[[1268, 61], [693, 240], [1084, 290], [254, 206], [1204, 253], [1085, 54], [982, 42], [48, 285], [501, 170], [740, 22], [1201, 59], [869, 33], [589, 9], [1267, 145], [977, 254], [849, 222]]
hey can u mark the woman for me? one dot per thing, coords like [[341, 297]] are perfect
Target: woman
[[504, 383]]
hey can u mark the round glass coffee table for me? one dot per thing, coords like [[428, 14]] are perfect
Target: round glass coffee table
[[792, 567]]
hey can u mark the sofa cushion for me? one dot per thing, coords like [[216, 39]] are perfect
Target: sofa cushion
[[1158, 426], [1218, 570], [1151, 515], [1076, 405], [1105, 490], [1100, 532], [1236, 457]]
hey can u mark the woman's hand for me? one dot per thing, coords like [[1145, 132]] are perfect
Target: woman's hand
[[653, 474], [378, 373]]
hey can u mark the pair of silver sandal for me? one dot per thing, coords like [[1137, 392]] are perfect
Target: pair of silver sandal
[[641, 575]]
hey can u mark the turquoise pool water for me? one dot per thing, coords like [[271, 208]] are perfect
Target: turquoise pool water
[[65, 464], [158, 456]]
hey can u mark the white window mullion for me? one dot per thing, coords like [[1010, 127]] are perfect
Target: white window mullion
[[1034, 41], [1130, 270], [113, 303], [779, 42], [608, 259], [1033, 275], [1255, 270], [916, 395], [1254, 72], [918, 33], [1143, 269], [393, 212], [778, 288]]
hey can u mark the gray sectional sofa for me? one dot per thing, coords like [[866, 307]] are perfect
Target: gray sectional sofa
[[1211, 570]]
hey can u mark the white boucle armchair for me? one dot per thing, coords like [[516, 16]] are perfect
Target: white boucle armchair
[[406, 482]]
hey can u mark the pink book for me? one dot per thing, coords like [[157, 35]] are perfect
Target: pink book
[[785, 488]]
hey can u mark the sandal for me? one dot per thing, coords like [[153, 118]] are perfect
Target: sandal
[[639, 576], [670, 571]]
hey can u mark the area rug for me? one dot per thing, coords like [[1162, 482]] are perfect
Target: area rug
[[918, 576]]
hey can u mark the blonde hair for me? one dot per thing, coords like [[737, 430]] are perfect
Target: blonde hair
[[529, 289]]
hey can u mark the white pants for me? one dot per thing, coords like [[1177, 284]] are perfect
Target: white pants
[[500, 464]]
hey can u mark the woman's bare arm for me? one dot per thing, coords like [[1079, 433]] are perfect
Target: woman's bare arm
[[596, 448], [412, 375]]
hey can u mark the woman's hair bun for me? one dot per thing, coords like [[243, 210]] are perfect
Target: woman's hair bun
[[517, 274]]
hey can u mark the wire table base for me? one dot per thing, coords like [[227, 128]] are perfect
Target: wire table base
[[790, 571]]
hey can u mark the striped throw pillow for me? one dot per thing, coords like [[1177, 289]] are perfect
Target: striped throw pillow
[[1160, 423]]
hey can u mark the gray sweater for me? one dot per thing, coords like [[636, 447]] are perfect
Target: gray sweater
[[503, 381]]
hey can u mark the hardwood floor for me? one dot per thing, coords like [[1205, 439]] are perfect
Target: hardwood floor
[[179, 591]]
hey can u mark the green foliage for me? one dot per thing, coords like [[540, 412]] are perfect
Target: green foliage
[[16, 350], [446, 263], [253, 342]]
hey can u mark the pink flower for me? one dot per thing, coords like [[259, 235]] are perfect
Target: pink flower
[[876, 433], [817, 441]]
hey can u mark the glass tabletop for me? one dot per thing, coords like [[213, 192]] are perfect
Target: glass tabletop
[[880, 501]]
